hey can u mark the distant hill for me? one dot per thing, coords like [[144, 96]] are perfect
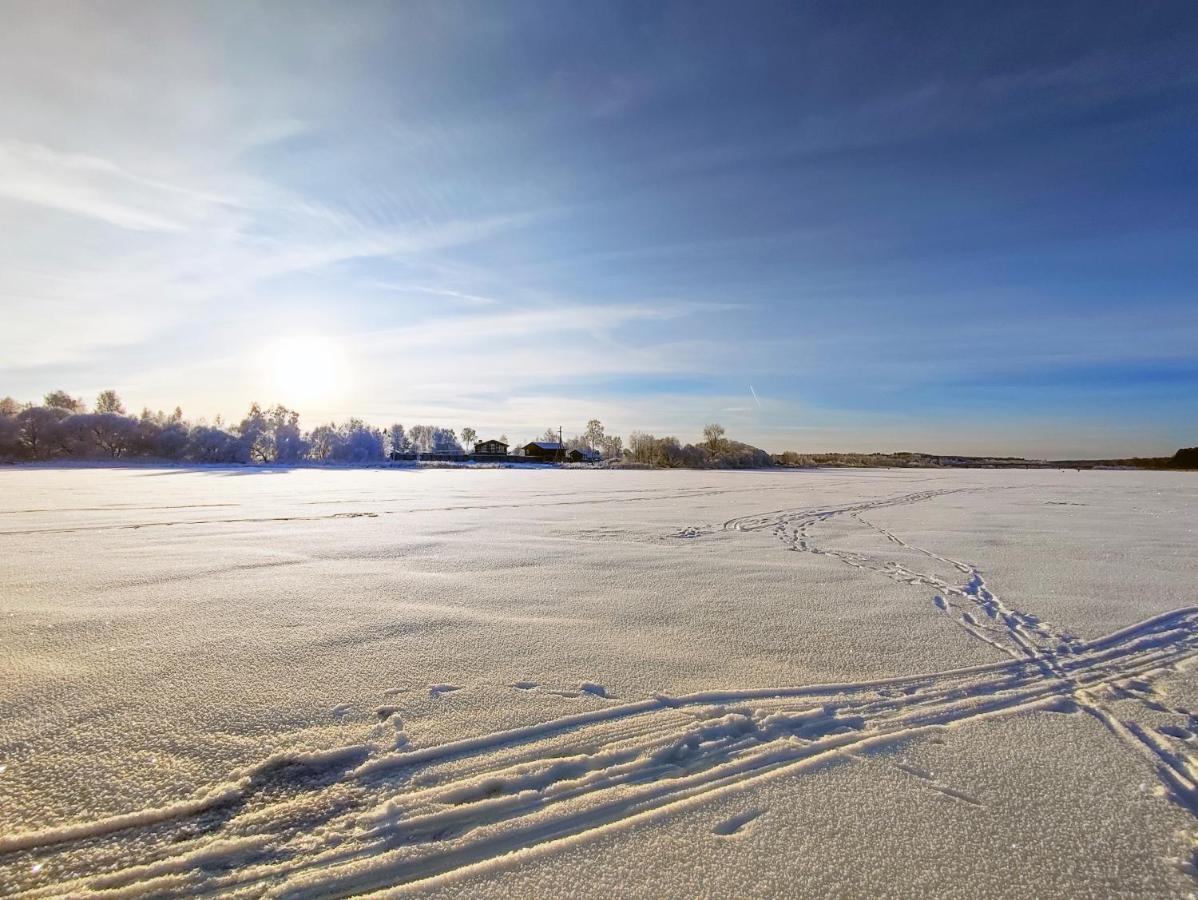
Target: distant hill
[[1183, 459]]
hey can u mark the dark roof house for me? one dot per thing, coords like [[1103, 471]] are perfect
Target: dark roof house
[[548, 450], [584, 455], [491, 448]]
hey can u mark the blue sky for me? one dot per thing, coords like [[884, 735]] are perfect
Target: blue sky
[[951, 227]]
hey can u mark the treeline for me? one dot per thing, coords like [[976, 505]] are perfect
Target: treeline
[[62, 427], [715, 452], [847, 460]]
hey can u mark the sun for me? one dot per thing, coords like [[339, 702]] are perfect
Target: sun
[[305, 368]]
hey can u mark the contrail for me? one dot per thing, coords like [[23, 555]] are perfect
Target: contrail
[[754, 393]]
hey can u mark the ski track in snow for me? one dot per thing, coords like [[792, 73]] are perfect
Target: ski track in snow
[[381, 813]]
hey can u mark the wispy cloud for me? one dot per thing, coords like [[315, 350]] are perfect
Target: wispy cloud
[[509, 216], [97, 189]]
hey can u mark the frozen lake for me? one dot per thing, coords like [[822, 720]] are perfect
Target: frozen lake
[[515, 682]]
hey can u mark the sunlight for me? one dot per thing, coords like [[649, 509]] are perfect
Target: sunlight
[[305, 368]]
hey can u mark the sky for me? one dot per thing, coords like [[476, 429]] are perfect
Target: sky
[[959, 227]]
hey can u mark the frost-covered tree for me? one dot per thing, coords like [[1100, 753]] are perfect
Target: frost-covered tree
[[39, 430], [109, 402], [272, 435], [73, 437], [10, 437], [289, 443], [110, 434], [469, 436], [323, 442], [421, 438], [433, 439], [213, 444], [359, 442], [594, 434], [254, 432], [397, 440], [656, 451], [611, 446], [168, 441], [713, 436]]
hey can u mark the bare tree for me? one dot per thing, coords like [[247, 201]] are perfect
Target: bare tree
[[469, 436], [9, 406], [714, 435]]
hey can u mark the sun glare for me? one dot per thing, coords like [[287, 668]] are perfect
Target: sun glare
[[305, 369]]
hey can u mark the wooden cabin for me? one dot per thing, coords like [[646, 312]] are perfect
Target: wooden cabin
[[490, 448], [548, 451]]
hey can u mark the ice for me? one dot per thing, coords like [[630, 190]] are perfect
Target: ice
[[594, 682]]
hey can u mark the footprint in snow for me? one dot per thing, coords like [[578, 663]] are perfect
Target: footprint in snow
[[340, 710], [737, 823], [439, 690], [587, 688], [526, 685]]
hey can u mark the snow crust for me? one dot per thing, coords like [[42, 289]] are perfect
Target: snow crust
[[586, 683]]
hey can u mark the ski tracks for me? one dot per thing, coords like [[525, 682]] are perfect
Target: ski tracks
[[383, 813], [977, 609]]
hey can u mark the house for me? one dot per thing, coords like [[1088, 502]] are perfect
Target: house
[[589, 456], [549, 451], [490, 448]]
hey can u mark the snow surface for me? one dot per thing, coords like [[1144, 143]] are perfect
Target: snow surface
[[586, 683]]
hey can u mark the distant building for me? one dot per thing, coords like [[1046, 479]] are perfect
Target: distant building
[[591, 456], [549, 451], [490, 448]]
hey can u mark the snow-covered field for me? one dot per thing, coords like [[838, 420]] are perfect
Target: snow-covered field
[[597, 683]]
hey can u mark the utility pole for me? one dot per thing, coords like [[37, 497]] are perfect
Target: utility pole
[[561, 446]]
